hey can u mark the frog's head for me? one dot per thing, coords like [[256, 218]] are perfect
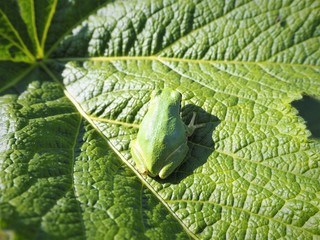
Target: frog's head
[[167, 98], [172, 94]]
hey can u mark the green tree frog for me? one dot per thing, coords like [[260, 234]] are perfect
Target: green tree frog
[[161, 144]]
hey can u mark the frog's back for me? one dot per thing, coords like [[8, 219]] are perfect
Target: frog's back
[[164, 128]]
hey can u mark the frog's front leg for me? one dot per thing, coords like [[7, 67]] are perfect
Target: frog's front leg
[[192, 126]]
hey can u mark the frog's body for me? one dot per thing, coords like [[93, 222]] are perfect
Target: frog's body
[[161, 144]]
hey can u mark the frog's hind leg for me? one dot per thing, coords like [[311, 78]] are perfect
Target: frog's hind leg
[[138, 157], [171, 162]]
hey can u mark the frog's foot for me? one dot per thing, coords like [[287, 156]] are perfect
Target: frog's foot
[[192, 126]]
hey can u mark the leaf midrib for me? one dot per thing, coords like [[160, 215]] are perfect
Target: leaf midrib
[[172, 59]]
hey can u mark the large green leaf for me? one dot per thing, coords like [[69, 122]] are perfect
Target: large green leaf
[[76, 79]]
